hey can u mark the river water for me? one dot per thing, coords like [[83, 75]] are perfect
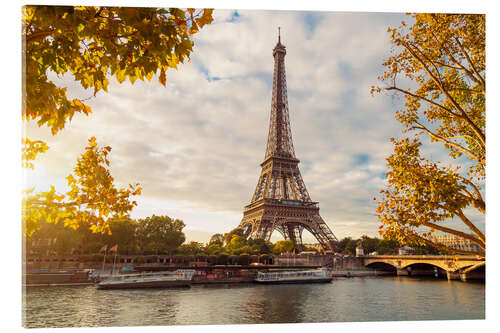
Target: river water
[[345, 299]]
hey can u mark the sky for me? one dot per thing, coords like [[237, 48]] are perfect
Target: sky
[[195, 145]]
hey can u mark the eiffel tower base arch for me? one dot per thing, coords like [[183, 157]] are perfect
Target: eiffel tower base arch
[[290, 222]]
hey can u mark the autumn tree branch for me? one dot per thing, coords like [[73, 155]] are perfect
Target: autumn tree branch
[[471, 226], [471, 63], [463, 114], [406, 92], [480, 204], [465, 70], [449, 54], [447, 142]]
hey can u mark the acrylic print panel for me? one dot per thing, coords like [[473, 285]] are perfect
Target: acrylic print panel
[[199, 166]]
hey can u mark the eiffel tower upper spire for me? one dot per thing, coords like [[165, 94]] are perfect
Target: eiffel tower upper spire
[[279, 140]]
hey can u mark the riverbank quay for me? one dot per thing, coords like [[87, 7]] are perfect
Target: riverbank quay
[[241, 269], [50, 269], [232, 274], [360, 273], [217, 274], [37, 263], [96, 261]]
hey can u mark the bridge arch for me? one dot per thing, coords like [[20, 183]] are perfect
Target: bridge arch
[[425, 264], [442, 266], [381, 265], [426, 269]]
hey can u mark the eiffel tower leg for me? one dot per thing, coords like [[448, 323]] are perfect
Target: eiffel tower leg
[[267, 230], [262, 230], [257, 229], [298, 237], [295, 232], [322, 233], [247, 228], [283, 231]]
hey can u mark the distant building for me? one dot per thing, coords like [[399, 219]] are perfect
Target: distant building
[[308, 253], [41, 246], [359, 250], [457, 242], [405, 250]]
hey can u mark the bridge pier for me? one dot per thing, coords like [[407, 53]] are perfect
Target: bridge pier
[[402, 272], [461, 276], [453, 275]]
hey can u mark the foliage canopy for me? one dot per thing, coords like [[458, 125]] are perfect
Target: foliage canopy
[[442, 56], [95, 43], [159, 234], [92, 44], [92, 197]]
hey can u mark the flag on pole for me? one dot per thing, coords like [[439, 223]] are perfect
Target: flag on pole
[[114, 248], [104, 248]]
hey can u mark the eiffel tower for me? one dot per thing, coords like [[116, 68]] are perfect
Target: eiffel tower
[[281, 201]]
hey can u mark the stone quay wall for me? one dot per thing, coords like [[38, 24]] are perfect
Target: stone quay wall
[[335, 262], [76, 262]]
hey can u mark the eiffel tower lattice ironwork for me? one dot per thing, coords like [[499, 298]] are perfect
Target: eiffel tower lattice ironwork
[[281, 201]]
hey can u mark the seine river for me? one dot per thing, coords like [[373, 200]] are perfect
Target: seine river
[[345, 299]]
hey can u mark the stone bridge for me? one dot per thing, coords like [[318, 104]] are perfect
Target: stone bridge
[[455, 267]]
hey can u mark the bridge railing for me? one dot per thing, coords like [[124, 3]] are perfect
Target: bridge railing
[[424, 256]]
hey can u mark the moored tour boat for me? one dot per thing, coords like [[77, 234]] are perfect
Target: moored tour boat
[[294, 276], [165, 279]]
